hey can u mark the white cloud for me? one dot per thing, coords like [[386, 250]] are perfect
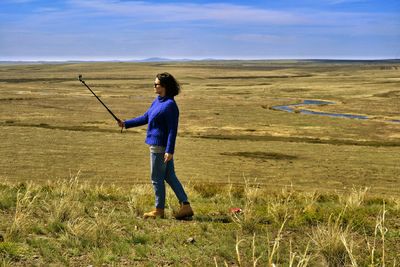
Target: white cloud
[[192, 12], [128, 29], [223, 13]]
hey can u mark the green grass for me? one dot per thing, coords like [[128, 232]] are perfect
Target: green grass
[[73, 222]]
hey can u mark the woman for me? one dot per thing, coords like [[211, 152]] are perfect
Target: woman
[[162, 119]]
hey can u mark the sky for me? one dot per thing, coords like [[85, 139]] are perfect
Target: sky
[[199, 29]]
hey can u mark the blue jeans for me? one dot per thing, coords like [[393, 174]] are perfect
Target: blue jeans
[[161, 172]]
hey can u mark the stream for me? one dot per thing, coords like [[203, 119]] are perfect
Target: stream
[[292, 108]]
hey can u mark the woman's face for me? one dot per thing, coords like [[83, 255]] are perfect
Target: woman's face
[[158, 89]]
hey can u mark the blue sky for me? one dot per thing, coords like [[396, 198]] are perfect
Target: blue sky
[[226, 29]]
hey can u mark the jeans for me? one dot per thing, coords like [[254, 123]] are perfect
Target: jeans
[[161, 172]]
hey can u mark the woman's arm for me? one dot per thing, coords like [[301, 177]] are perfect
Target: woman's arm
[[172, 125], [138, 121]]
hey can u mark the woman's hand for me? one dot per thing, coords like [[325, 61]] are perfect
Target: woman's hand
[[167, 157], [121, 124]]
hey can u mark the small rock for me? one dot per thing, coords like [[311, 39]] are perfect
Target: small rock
[[190, 240]]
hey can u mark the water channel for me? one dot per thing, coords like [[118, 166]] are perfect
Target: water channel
[[292, 108]]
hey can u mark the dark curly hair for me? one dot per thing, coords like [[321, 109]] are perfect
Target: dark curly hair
[[171, 85]]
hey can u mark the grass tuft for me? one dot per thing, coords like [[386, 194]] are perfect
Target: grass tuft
[[331, 240]]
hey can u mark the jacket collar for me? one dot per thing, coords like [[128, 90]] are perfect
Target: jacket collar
[[164, 98]]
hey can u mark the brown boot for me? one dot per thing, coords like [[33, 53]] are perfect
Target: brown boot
[[157, 213], [184, 213]]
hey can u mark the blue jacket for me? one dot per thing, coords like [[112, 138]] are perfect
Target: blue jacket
[[162, 119]]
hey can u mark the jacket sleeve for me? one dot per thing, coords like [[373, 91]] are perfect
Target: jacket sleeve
[[172, 125], [138, 121]]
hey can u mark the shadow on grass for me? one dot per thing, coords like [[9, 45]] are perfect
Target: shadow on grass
[[213, 218], [258, 77], [261, 155], [60, 79], [74, 128], [268, 138]]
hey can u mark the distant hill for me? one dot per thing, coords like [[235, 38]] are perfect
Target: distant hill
[[153, 59], [160, 59]]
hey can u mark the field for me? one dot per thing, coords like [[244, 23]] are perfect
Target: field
[[229, 138]]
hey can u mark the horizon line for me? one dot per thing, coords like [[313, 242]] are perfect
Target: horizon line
[[160, 59]]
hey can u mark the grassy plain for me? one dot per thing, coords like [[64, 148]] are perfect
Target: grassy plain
[[52, 125], [52, 128]]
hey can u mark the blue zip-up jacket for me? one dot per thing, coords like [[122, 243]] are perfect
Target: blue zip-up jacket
[[162, 119]]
